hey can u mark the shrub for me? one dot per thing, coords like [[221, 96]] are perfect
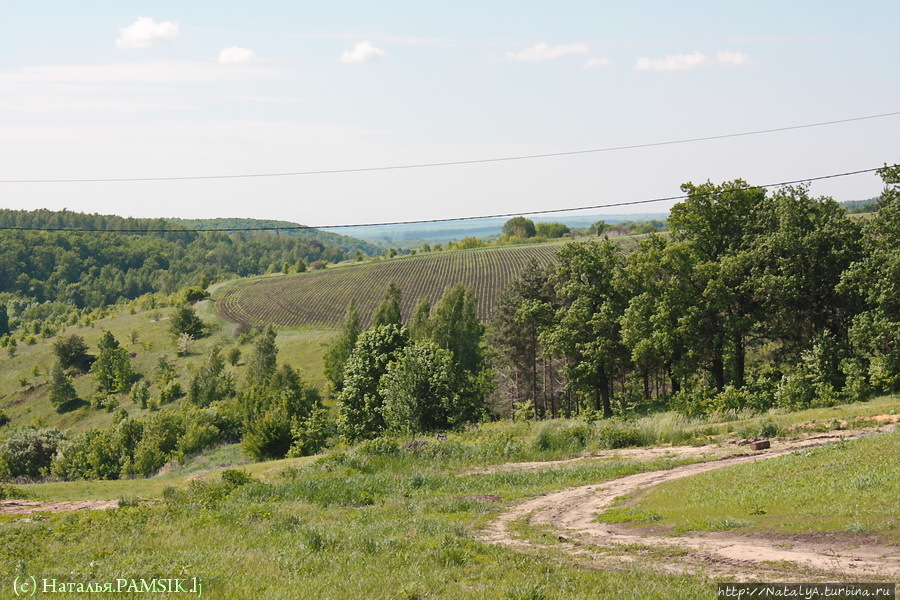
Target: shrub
[[268, 435], [552, 436], [616, 434], [8, 492], [236, 477], [28, 452], [313, 433]]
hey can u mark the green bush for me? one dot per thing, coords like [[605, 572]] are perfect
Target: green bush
[[236, 477], [28, 452], [381, 446], [313, 433], [616, 434], [550, 436], [9, 492], [268, 435]]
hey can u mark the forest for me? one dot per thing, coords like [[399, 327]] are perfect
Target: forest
[[82, 261], [754, 300]]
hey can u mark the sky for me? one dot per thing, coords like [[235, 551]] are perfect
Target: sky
[[162, 89]]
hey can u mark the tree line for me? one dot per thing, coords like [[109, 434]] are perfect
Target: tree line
[[753, 300], [96, 268]]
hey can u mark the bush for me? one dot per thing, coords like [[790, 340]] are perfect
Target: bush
[[268, 435], [8, 492], [616, 434], [552, 436], [28, 452], [236, 477], [381, 446], [313, 433]]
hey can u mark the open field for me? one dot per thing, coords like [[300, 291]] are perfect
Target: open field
[[320, 298], [389, 519]]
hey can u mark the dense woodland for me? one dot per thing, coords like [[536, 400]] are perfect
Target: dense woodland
[[115, 258], [754, 300]]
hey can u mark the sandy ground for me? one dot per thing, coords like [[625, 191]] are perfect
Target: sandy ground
[[569, 515]]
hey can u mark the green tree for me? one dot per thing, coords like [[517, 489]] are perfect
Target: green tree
[[388, 312], [524, 311], [274, 412], [360, 401], [587, 325], [263, 360], [185, 321], [455, 327], [718, 226], [112, 368], [71, 351], [4, 320], [62, 392], [424, 391], [27, 452], [211, 382], [519, 227], [165, 371], [551, 230], [338, 353], [420, 323], [875, 279]]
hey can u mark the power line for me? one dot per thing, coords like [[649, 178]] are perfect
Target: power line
[[424, 221], [458, 162]]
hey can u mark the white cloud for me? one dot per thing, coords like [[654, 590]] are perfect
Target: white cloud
[[734, 59], [146, 32], [236, 55], [362, 52], [544, 51], [683, 62], [673, 62], [599, 62]]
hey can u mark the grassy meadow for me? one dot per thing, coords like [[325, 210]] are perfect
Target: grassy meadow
[[843, 488], [393, 519]]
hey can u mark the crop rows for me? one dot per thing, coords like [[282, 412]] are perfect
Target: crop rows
[[320, 298]]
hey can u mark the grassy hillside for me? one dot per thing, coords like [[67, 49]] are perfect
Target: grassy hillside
[[320, 298], [28, 404]]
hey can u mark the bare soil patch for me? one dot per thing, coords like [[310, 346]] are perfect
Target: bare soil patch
[[30, 507]]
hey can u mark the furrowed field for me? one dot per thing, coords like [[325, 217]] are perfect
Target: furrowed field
[[320, 298]]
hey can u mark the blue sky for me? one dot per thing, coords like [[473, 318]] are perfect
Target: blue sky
[[165, 89]]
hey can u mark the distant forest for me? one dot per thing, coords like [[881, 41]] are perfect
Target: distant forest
[[122, 258]]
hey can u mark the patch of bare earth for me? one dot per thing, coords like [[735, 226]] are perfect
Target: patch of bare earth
[[569, 515], [30, 507]]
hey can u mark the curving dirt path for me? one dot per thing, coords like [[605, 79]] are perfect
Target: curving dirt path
[[570, 513]]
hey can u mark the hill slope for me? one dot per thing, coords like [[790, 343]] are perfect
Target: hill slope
[[320, 298]]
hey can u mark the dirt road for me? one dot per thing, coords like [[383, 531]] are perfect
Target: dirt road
[[569, 516]]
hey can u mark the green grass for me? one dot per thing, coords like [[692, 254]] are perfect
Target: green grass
[[30, 405], [843, 487], [381, 521], [350, 526]]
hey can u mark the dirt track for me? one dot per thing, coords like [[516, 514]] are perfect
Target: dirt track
[[570, 515]]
